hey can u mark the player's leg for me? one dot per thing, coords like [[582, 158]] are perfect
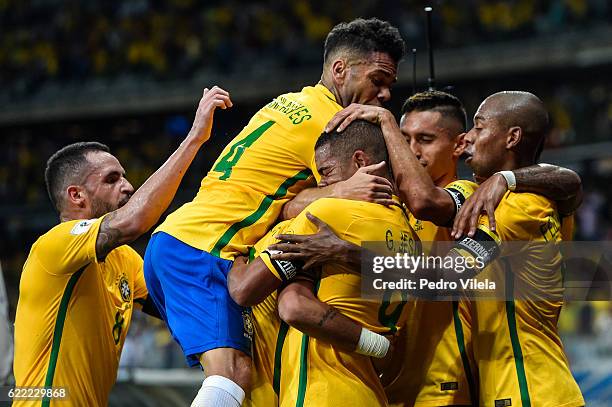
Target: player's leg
[[204, 319], [228, 375]]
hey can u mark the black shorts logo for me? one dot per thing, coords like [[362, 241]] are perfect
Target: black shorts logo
[[503, 403], [449, 386]]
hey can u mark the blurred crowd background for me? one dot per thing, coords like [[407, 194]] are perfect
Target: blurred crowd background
[[53, 52]]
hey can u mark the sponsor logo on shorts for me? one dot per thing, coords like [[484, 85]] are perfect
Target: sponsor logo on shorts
[[503, 403]]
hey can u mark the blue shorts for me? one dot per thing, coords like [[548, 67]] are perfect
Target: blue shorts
[[189, 288]]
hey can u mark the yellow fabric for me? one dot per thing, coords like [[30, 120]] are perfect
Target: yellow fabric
[[314, 371], [266, 165], [89, 320], [266, 323], [432, 354], [533, 324]]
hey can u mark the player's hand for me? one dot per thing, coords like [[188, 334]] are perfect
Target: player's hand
[[389, 366], [211, 99], [311, 250], [354, 111], [484, 199], [364, 186]]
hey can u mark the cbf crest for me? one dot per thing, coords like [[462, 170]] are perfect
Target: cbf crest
[[247, 319], [124, 289]]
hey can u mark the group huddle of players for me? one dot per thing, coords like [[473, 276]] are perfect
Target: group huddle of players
[[258, 277]]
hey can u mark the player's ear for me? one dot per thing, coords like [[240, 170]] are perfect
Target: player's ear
[[339, 70], [513, 137], [76, 196], [361, 159], [460, 145]]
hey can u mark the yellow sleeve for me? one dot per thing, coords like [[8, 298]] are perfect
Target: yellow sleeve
[[520, 217], [323, 209], [523, 217], [459, 191], [140, 286], [484, 245], [276, 267], [69, 246]]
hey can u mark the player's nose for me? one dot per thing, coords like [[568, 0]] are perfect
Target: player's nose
[[126, 187], [470, 136], [384, 95], [415, 147]]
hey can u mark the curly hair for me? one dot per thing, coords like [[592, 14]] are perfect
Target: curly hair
[[436, 101], [363, 37]]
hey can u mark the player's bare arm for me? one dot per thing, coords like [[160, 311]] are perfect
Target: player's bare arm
[[556, 183], [250, 283], [425, 200], [362, 186], [299, 307], [147, 204], [316, 249]]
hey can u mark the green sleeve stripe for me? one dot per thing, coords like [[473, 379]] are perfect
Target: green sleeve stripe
[[516, 344], [464, 358], [303, 372], [278, 352], [255, 216], [58, 331], [304, 362]]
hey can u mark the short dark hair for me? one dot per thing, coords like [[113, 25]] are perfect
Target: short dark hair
[[359, 135], [364, 37], [437, 101], [66, 166]]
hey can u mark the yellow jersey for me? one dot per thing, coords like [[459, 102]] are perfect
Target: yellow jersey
[[521, 361], [267, 164], [73, 314], [269, 335], [314, 373], [438, 366]]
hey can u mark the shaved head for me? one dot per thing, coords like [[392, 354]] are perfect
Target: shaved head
[[508, 133], [520, 109]]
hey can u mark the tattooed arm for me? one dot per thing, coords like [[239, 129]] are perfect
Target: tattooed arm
[[299, 307], [147, 204], [556, 183]]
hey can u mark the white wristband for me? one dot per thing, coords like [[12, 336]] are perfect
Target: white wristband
[[510, 179], [372, 344]]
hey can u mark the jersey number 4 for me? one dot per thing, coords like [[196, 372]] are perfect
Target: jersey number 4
[[227, 162]]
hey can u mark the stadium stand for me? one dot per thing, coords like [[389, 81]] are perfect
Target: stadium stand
[[139, 61]]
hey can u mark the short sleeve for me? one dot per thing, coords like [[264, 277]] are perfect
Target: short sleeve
[[459, 191], [300, 225], [68, 247], [485, 245], [140, 286]]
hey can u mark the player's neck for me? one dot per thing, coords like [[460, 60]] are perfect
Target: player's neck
[[71, 214], [515, 161], [446, 179], [330, 86]]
